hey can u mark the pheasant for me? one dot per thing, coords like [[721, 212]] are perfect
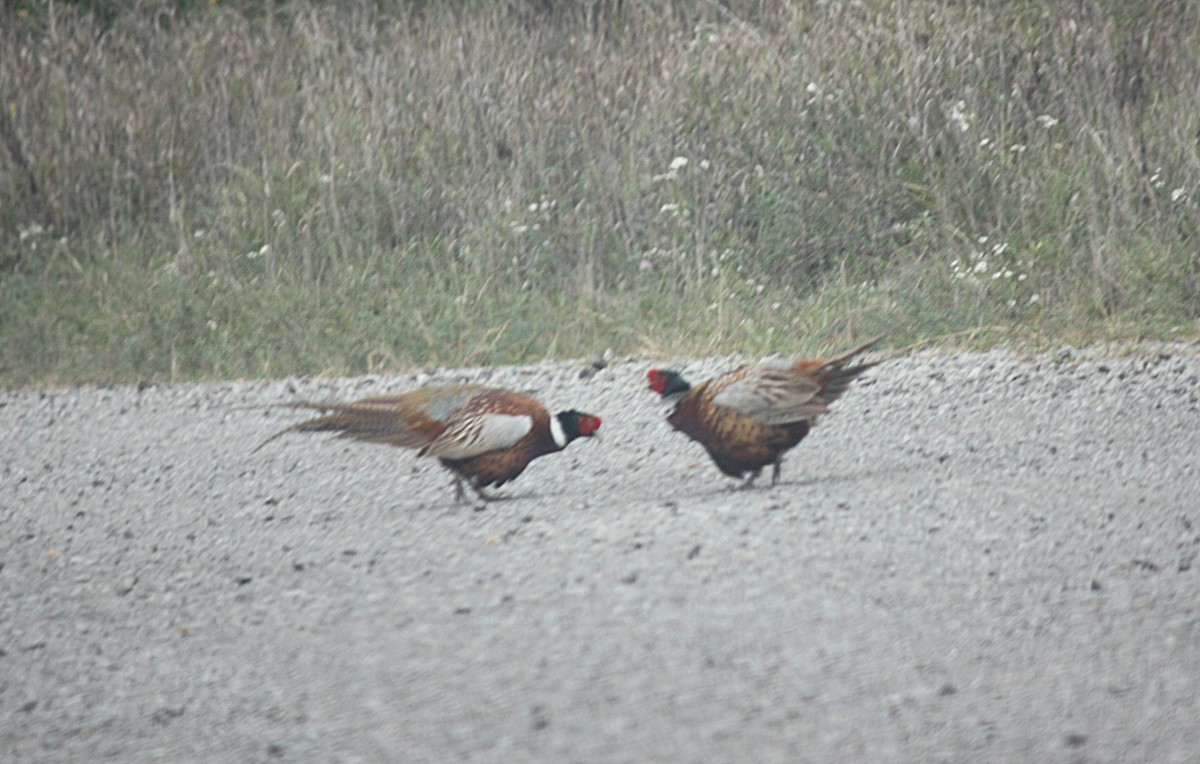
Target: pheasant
[[747, 418], [485, 436]]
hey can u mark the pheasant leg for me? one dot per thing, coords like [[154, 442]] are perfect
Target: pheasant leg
[[750, 480]]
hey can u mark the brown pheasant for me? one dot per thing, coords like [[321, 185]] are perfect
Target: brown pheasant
[[483, 435], [747, 418]]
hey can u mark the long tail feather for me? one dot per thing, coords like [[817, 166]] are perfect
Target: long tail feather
[[841, 377], [375, 422], [841, 359]]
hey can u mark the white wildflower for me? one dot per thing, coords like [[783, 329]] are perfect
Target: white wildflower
[[958, 115], [1046, 121]]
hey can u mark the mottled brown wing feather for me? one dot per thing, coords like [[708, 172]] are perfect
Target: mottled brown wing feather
[[478, 434], [784, 392], [770, 394]]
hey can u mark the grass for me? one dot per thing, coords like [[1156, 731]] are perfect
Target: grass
[[203, 191]]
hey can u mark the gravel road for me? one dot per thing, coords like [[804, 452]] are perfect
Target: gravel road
[[979, 557]]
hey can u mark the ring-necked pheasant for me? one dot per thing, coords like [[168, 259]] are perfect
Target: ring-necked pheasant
[[483, 435], [747, 418]]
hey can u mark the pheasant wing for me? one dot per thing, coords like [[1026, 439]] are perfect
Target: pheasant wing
[[773, 395], [470, 436]]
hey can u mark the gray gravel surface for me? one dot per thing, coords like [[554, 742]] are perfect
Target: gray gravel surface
[[977, 557]]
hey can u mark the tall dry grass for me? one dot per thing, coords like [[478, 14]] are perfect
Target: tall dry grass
[[218, 192]]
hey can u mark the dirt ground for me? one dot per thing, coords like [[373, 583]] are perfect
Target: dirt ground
[[977, 557]]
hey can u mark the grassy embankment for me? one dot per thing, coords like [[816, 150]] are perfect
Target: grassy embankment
[[225, 194]]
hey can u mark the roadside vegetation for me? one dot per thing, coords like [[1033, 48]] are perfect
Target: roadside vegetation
[[211, 190]]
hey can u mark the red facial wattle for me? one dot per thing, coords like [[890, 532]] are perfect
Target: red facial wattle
[[589, 424], [658, 380]]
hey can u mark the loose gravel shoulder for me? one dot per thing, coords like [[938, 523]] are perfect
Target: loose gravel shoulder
[[977, 557]]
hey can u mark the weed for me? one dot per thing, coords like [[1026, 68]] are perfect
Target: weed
[[201, 190]]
